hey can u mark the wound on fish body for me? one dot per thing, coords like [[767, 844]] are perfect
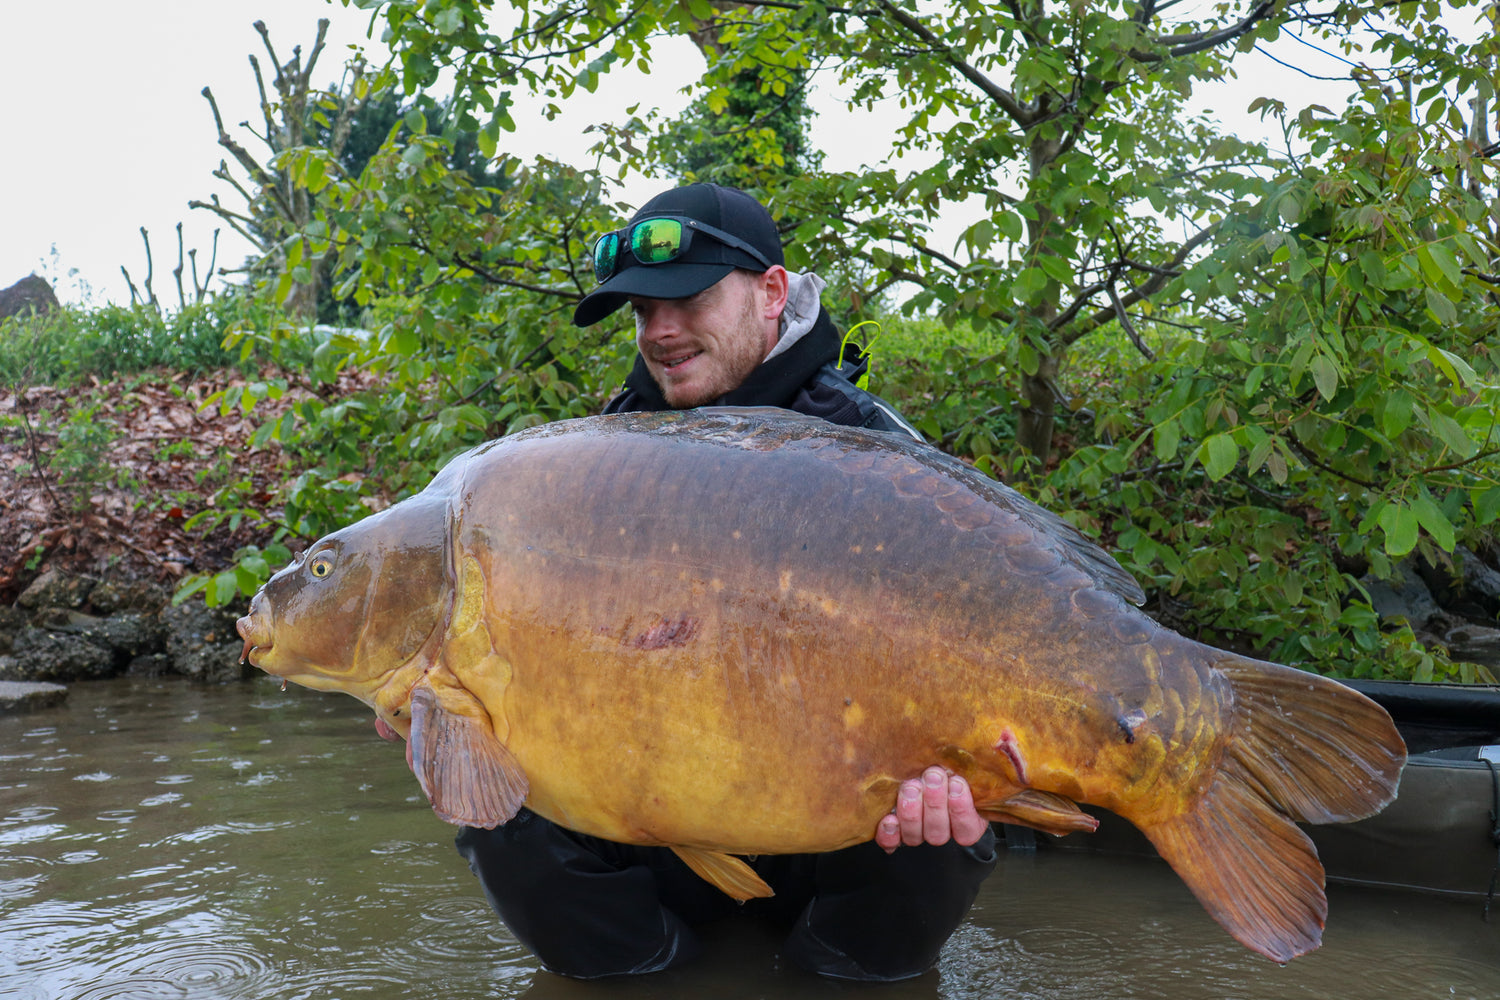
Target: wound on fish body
[[1130, 722]]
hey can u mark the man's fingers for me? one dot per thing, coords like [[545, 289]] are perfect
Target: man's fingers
[[909, 812], [934, 809], [966, 823], [935, 826]]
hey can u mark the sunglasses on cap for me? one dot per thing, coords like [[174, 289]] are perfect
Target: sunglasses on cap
[[659, 240]]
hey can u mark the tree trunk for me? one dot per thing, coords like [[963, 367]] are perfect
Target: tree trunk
[[1034, 430]]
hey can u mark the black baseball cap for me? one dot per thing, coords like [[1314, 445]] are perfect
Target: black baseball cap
[[706, 261]]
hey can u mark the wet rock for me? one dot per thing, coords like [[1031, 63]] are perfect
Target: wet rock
[[1473, 643], [12, 621], [110, 596], [1407, 597], [202, 642], [126, 635], [55, 589], [150, 665], [1468, 589], [39, 655], [21, 696], [1482, 583]]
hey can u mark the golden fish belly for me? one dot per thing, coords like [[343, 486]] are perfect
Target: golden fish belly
[[744, 677]]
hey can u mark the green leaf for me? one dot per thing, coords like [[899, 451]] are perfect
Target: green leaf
[[1399, 522], [225, 588], [449, 19], [1056, 268], [1451, 434], [1219, 455], [1459, 372], [1447, 264], [1325, 376], [1442, 308], [1259, 453], [1030, 284], [1486, 505], [1167, 436], [1432, 518]]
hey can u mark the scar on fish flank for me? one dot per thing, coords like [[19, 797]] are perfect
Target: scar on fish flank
[[665, 632]]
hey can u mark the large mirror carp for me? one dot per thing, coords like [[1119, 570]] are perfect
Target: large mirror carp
[[736, 631]]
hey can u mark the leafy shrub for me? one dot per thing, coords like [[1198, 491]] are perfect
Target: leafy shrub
[[66, 346]]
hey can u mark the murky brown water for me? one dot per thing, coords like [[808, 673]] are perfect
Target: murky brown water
[[160, 839]]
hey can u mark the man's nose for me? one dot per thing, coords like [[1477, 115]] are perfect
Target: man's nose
[[658, 323]]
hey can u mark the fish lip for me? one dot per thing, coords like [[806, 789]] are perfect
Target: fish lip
[[256, 638]]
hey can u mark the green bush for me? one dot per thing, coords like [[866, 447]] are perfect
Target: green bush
[[66, 346]]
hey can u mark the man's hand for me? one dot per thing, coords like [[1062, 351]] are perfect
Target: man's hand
[[935, 809]]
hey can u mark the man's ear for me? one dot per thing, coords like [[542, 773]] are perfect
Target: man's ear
[[773, 286]]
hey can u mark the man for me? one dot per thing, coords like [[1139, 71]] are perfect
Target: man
[[720, 321]]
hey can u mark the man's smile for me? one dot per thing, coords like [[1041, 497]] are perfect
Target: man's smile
[[675, 361]]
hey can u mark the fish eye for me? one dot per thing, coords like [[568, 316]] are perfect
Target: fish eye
[[321, 564]]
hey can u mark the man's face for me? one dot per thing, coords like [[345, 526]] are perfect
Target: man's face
[[699, 348]]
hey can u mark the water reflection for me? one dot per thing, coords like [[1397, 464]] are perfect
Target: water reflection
[[160, 839]]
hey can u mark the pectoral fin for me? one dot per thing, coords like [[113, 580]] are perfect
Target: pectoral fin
[[1041, 811], [725, 872], [467, 774]]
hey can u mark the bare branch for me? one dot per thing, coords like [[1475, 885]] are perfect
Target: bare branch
[[1082, 299], [1004, 98], [177, 271], [1145, 290], [488, 274], [262, 177], [1124, 320], [150, 295], [1186, 45]]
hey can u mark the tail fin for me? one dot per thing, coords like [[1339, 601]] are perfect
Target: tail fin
[[1301, 748]]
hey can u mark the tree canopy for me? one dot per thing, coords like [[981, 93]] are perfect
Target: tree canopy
[[1258, 371]]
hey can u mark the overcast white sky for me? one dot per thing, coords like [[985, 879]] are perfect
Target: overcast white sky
[[105, 130]]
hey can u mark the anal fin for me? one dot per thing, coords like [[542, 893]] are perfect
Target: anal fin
[[1039, 810], [725, 872], [468, 775]]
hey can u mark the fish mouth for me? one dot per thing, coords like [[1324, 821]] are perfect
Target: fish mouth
[[257, 635]]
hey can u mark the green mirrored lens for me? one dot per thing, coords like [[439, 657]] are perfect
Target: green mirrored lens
[[656, 240], [606, 249]]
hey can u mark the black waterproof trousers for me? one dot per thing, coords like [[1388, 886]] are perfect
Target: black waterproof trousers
[[589, 907]]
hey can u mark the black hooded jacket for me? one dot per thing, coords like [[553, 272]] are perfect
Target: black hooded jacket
[[817, 376]]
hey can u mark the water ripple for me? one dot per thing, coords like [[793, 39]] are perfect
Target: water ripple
[[197, 967], [36, 833], [1459, 978], [213, 831], [14, 889]]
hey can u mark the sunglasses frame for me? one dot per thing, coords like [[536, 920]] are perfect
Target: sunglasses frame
[[689, 227]]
